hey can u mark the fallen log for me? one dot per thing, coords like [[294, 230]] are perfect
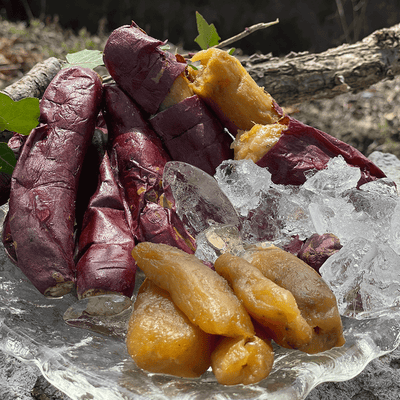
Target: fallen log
[[349, 68]]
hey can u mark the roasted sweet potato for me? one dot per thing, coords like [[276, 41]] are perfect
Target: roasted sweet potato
[[192, 133], [140, 67], [105, 264], [45, 179], [297, 148], [139, 151], [197, 290], [231, 92], [314, 298], [161, 339]]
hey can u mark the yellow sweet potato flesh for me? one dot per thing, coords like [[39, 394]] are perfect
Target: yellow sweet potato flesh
[[242, 361], [161, 339], [255, 143], [226, 85], [314, 298], [203, 296], [180, 90], [271, 305]]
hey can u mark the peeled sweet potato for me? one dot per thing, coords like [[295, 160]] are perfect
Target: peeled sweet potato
[[140, 67], [197, 290], [273, 306], [161, 339], [314, 298], [241, 360], [45, 180]]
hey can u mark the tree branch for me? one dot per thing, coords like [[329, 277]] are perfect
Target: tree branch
[[349, 68]]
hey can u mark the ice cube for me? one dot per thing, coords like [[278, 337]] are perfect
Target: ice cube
[[216, 240], [388, 163], [198, 199], [335, 179], [244, 183], [364, 276]]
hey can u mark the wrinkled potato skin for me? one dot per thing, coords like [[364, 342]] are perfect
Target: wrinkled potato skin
[[271, 305], [197, 290], [313, 296], [161, 339], [242, 361]]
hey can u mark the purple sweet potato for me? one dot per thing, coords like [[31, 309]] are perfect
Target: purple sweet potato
[[318, 248], [45, 180], [7, 240], [301, 148], [139, 151], [192, 133], [140, 67], [104, 248]]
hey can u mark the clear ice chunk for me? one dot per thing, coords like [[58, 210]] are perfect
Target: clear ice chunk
[[199, 201], [335, 179], [244, 183], [216, 240], [106, 314], [388, 163], [364, 276]]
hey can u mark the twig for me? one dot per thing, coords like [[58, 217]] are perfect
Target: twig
[[246, 32]]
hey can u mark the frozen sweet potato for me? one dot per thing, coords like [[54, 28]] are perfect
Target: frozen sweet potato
[[45, 180], [192, 133], [242, 360], [161, 339], [197, 290], [105, 264], [271, 305], [140, 67], [314, 298], [231, 92]]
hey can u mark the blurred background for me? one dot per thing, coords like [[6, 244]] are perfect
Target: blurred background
[[305, 25]]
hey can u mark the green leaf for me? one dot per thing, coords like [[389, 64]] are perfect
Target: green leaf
[[85, 58], [208, 36], [7, 159], [231, 51], [19, 116]]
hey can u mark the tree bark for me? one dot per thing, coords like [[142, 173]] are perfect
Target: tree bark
[[35, 82], [349, 68]]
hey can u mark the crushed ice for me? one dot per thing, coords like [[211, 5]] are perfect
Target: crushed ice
[[365, 273]]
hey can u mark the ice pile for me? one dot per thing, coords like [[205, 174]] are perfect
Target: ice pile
[[365, 273]]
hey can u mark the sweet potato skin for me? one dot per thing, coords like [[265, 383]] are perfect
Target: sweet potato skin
[[45, 179], [139, 151], [192, 133], [302, 147], [104, 249]]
